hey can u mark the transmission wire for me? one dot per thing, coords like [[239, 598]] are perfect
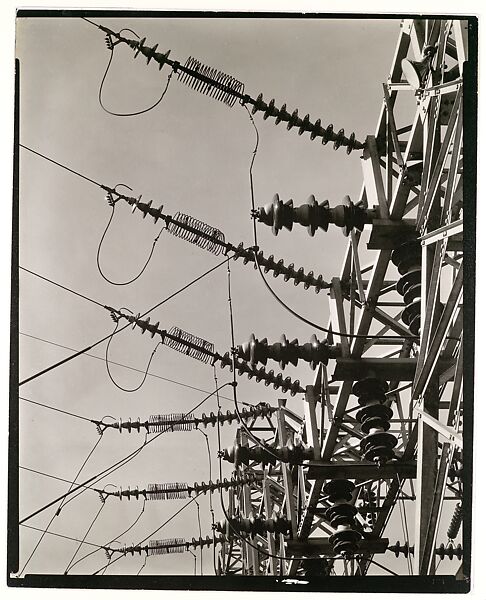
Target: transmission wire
[[118, 463], [59, 508]]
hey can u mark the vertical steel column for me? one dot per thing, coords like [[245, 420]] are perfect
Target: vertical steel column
[[270, 537], [310, 401], [251, 553], [287, 476]]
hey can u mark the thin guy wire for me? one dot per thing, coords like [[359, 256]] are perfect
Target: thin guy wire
[[67, 537], [200, 536], [63, 287], [407, 537], [382, 567], [143, 566], [118, 463], [51, 476], [56, 409], [84, 538], [404, 532], [59, 508], [61, 165], [113, 540], [158, 528], [112, 362]]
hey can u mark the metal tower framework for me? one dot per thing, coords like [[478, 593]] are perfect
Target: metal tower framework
[[413, 178]]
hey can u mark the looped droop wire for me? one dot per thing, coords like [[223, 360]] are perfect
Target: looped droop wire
[[259, 267], [111, 47], [135, 389], [112, 202]]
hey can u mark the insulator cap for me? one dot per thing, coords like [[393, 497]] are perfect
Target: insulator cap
[[339, 489], [285, 352], [312, 215]]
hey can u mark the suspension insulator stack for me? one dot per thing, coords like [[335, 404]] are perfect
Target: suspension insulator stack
[[202, 350], [374, 417], [285, 352], [254, 525], [228, 89], [312, 215], [180, 491], [341, 516], [442, 551], [278, 381], [456, 521], [291, 453], [279, 268], [188, 422], [213, 240], [306, 125], [167, 546], [261, 410], [408, 260]]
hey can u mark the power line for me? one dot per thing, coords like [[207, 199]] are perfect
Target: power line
[[158, 528], [67, 537], [56, 409], [125, 326], [50, 476], [64, 287], [112, 362], [68, 358], [117, 464], [59, 508], [62, 166]]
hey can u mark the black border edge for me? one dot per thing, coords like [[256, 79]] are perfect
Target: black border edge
[[13, 431], [378, 584], [470, 120]]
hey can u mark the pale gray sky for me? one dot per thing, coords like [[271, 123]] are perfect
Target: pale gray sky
[[192, 154]]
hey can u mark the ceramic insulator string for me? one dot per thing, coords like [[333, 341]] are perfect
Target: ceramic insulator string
[[187, 422], [166, 546], [313, 216], [341, 515], [227, 89], [213, 240], [285, 352], [278, 268], [442, 551], [202, 350], [456, 521], [181, 490]]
